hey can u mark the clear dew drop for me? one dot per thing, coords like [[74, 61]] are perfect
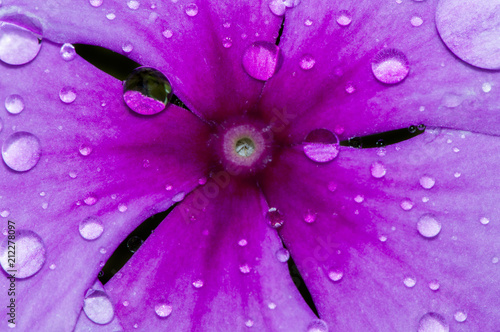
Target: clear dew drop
[[277, 7], [416, 21], [344, 18], [133, 4], [283, 255], [291, 3], [122, 207], [310, 217], [85, 149], [67, 94], [163, 309], [67, 52], [486, 87], [460, 316], [433, 322], [110, 16], [134, 243], [227, 42], [14, 104], [21, 151], [242, 242], [95, 3], [261, 60], [249, 323], [321, 145], [410, 282], [307, 62], [274, 218], [91, 228], [484, 220], [191, 9], [146, 91], [179, 197], [406, 204], [5, 213], [349, 88], [271, 305], [30, 254], [335, 275], [434, 285], [198, 283], [390, 66], [427, 182], [17, 44], [428, 226], [245, 268], [98, 307], [317, 325], [378, 170], [127, 47], [167, 33], [308, 22]]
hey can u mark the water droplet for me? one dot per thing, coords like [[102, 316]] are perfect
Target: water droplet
[[245, 268], [95, 3], [110, 16], [382, 238], [321, 145], [425, 199], [460, 316], [335, 275], [17, 45], [344, 18], [242, 242], [167, 34], [406, 204], [30, 254], [359, 198], [103, 251], [133, 4], [249, 323], [484, 220], [226, 25], [98, 307], [308, 23], [21, 151], [67, 94], [283, 255], [134, 243], [277, 7], [198, 283], [410, 282], [122, 207], [68, 52], [227, 42], [261, 60], [168, 187], [495, 260], [307, 62], [378, 170], [416, 21], [14, 104], [486, 87], [191, 9], [91, 228], [52, 266], [271, 305], [5, 213], [317, 325], [179, 197], [457, 174], [85, 149], [275, 218], [291, 3], [349, 88], [127, 47], [125, 303], [428, 226], [146, 91], [433, 322], [309, 217], [427, 182], [390, 66], [434, 285]]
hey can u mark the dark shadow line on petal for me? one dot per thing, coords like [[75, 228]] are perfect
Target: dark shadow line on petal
[[385, 138], [280, 33]]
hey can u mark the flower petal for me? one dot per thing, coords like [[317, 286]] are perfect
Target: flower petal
[[397, 233], [210, 265], [98, 159], [201, 54], [341, 91]]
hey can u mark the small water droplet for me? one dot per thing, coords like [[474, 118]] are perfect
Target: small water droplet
[[18, 45], [457, 174], [67, 94], [14, 104], [198, 283], [125, 303], [275, 218], [428, 226], [95, 3], [332, 186], [21, 151], [242, 242], [416, 21], [390, 66], [245, 268], [484, 221], [103, 251], [410, 282], [249, 323], [133, 4], [146, 91], [277, 7], [52, 266], [90, 200], [91, 228], [427, 182], [433, 322], [98, 307], [134, 243], [68, 52], [85, 149], [30, 254], [283, 255], [486, 87], [434, 285], [167, 34], [307, 62], [344, 18], [191, 9], [378, 170], [406, 204], [122, 207], [72, 174], [227, 42], [5, 213], [495, 260], [382, 238], [309, 217], [226, 25], [127, 47], [261, 60], [335, 275], [321, 145], [317, 325], [349, 88], [308, 23], [271, 305], [460, 316], [168, 187], [179, 197], [110, 16]]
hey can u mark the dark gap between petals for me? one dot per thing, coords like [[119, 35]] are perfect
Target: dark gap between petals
[[280, 32], [301, 285], [385, 138], [114, 64], [131, 244]]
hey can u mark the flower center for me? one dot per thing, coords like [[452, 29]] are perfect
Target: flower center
[[245, 147]]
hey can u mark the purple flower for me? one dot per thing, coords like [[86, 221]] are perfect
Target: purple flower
[[403, 237]]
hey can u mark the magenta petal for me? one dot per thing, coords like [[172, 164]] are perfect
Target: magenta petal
[[198, 45], [333, 74], [95, 158], [385, 237], [210, 266]]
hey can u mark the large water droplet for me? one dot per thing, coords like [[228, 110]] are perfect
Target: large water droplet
[[17, 44], [67, 94], [91, 228], [283, 255], [14, 104], [433, 322], [307, 62], [261, 60], [321, 145], [378, 170], [68, 52], [146, 91], [275, 218], [427, 182], [460, 316], [428, 226], [277, 7], [98, 307], [30, 254], [390, 66], [191, 9], [134, 243], [317, 325], [21, 151], [344, 18]]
